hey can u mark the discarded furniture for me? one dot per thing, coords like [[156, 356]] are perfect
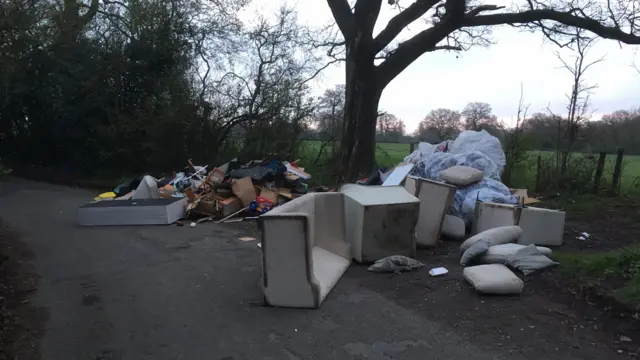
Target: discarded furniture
[[381, 221], [397, 176], [490, 215], [304, 250], [132, 212], [410, 184], [541, 226], [148, 189], [435, 199]]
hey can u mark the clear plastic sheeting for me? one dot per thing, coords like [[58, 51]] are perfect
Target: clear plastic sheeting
[[425, 149], [430, 167], [476, 149], [469, 141], [487, 190]]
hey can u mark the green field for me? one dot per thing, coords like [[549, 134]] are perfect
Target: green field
[[389, 154]]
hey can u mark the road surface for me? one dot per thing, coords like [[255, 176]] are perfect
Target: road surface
[[169, 292]]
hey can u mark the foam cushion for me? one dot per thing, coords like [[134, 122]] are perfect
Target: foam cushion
[[498, 254], [453, 227], [461, 175], [493, 279], [496, 236], [529, 260], [477, 249]]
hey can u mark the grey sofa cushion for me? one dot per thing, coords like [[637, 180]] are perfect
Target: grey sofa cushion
[[496, 236], [477, 249], [529, 260]]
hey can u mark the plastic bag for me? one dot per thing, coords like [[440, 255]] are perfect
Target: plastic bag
[[488, 190], [431, 167], [476, 149], [425, 150], [482, 141], [395, 264]]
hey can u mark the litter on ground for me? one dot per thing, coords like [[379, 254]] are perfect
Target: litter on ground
[[450, 190]]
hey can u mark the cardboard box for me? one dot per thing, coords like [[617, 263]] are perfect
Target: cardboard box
[[244, 189], [230, 205], [207, 207]]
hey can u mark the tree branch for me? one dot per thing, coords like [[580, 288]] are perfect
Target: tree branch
[[92, 9], [408, 51], [447, 48], [400, 21], [565, 18], [366, 14], [478, 9], [343, 16]]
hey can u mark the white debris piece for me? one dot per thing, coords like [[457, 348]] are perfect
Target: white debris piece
[[439, 271]]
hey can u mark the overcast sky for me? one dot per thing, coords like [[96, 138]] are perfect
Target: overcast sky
[[492, 75]]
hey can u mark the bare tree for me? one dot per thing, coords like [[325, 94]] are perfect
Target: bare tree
[[513, 136], [478, 115], [445, 123], [269, 82], [390, 127], [635, 66], [578, 112], [456, 25], [330, 112], [328, 118]]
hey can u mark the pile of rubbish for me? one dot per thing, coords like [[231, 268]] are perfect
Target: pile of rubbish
[[475, 149], [224, 191]]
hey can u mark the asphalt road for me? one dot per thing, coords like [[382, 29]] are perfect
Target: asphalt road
[[169, 292]]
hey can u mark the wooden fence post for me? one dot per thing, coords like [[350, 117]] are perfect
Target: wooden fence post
[[599, 171], [538, 169], [615, 183]]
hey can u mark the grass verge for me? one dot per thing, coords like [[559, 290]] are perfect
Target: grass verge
[[616, 272]]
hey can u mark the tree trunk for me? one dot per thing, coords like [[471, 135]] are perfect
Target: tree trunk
[[361, 111]]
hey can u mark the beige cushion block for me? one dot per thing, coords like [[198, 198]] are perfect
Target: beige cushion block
[[496, 236], [461, 175], [493, 279], [498, 254]]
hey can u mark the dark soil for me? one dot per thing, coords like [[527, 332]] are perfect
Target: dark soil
[[547, 321], [558, 316], [20, 322], [612, 223]]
